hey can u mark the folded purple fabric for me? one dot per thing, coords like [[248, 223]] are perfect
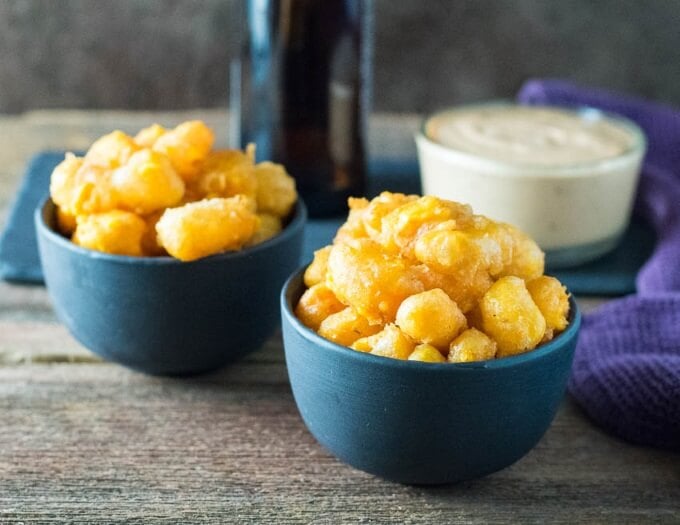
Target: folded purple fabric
[[626, 372]]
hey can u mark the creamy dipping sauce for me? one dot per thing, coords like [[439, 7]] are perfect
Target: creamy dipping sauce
[[527, 135]]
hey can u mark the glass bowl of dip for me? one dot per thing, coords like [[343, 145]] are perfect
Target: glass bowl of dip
[[567, 177]]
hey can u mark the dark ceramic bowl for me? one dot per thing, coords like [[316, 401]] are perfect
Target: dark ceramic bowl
[[163, 316], [423, 423]]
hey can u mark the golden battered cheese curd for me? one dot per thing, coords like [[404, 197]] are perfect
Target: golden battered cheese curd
[[452, 252], [464, 285], [471, 345], [389, 342], [495, 242], [499, 249], [346, 326], [379, 207], [401, 227], [226, 173], [148, 136], [510, 317], [552, 300], [186, 146], [268, 226], [207, 227], [317, 270], [316, 304], [373, 282], [111, 151], [528, 260], [94, 191], [353, 228], [147, 183], [116, 232], [63, 182], [276, 192], [431, 317], [426, 354], [79, 188], [465, 290], [365, 217]]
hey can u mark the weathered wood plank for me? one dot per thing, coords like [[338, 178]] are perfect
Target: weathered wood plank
[[27, 342], [21, 302], [86, 441]]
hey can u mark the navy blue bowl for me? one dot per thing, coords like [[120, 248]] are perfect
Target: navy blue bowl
[[423, 423], [162, 316]]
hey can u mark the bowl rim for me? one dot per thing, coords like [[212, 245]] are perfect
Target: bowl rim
[[525, 170], [298, 220], [571, 332]]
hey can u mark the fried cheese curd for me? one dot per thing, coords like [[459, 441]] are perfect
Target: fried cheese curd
[[167, 192], [425, 279]]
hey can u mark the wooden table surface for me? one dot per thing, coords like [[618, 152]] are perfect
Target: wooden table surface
[[82, 440]]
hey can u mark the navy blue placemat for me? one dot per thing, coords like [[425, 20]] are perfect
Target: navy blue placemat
[[613, 274], [19, 260]]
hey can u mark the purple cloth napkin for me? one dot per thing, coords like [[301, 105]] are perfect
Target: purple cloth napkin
[[626, 372]]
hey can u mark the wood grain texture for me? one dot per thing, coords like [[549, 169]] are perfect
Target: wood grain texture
[[94, 441], [82, 440]]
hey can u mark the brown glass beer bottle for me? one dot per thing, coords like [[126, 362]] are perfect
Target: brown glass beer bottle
[[304, 93]]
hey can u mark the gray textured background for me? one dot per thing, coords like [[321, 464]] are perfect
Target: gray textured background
[[170, 54]]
